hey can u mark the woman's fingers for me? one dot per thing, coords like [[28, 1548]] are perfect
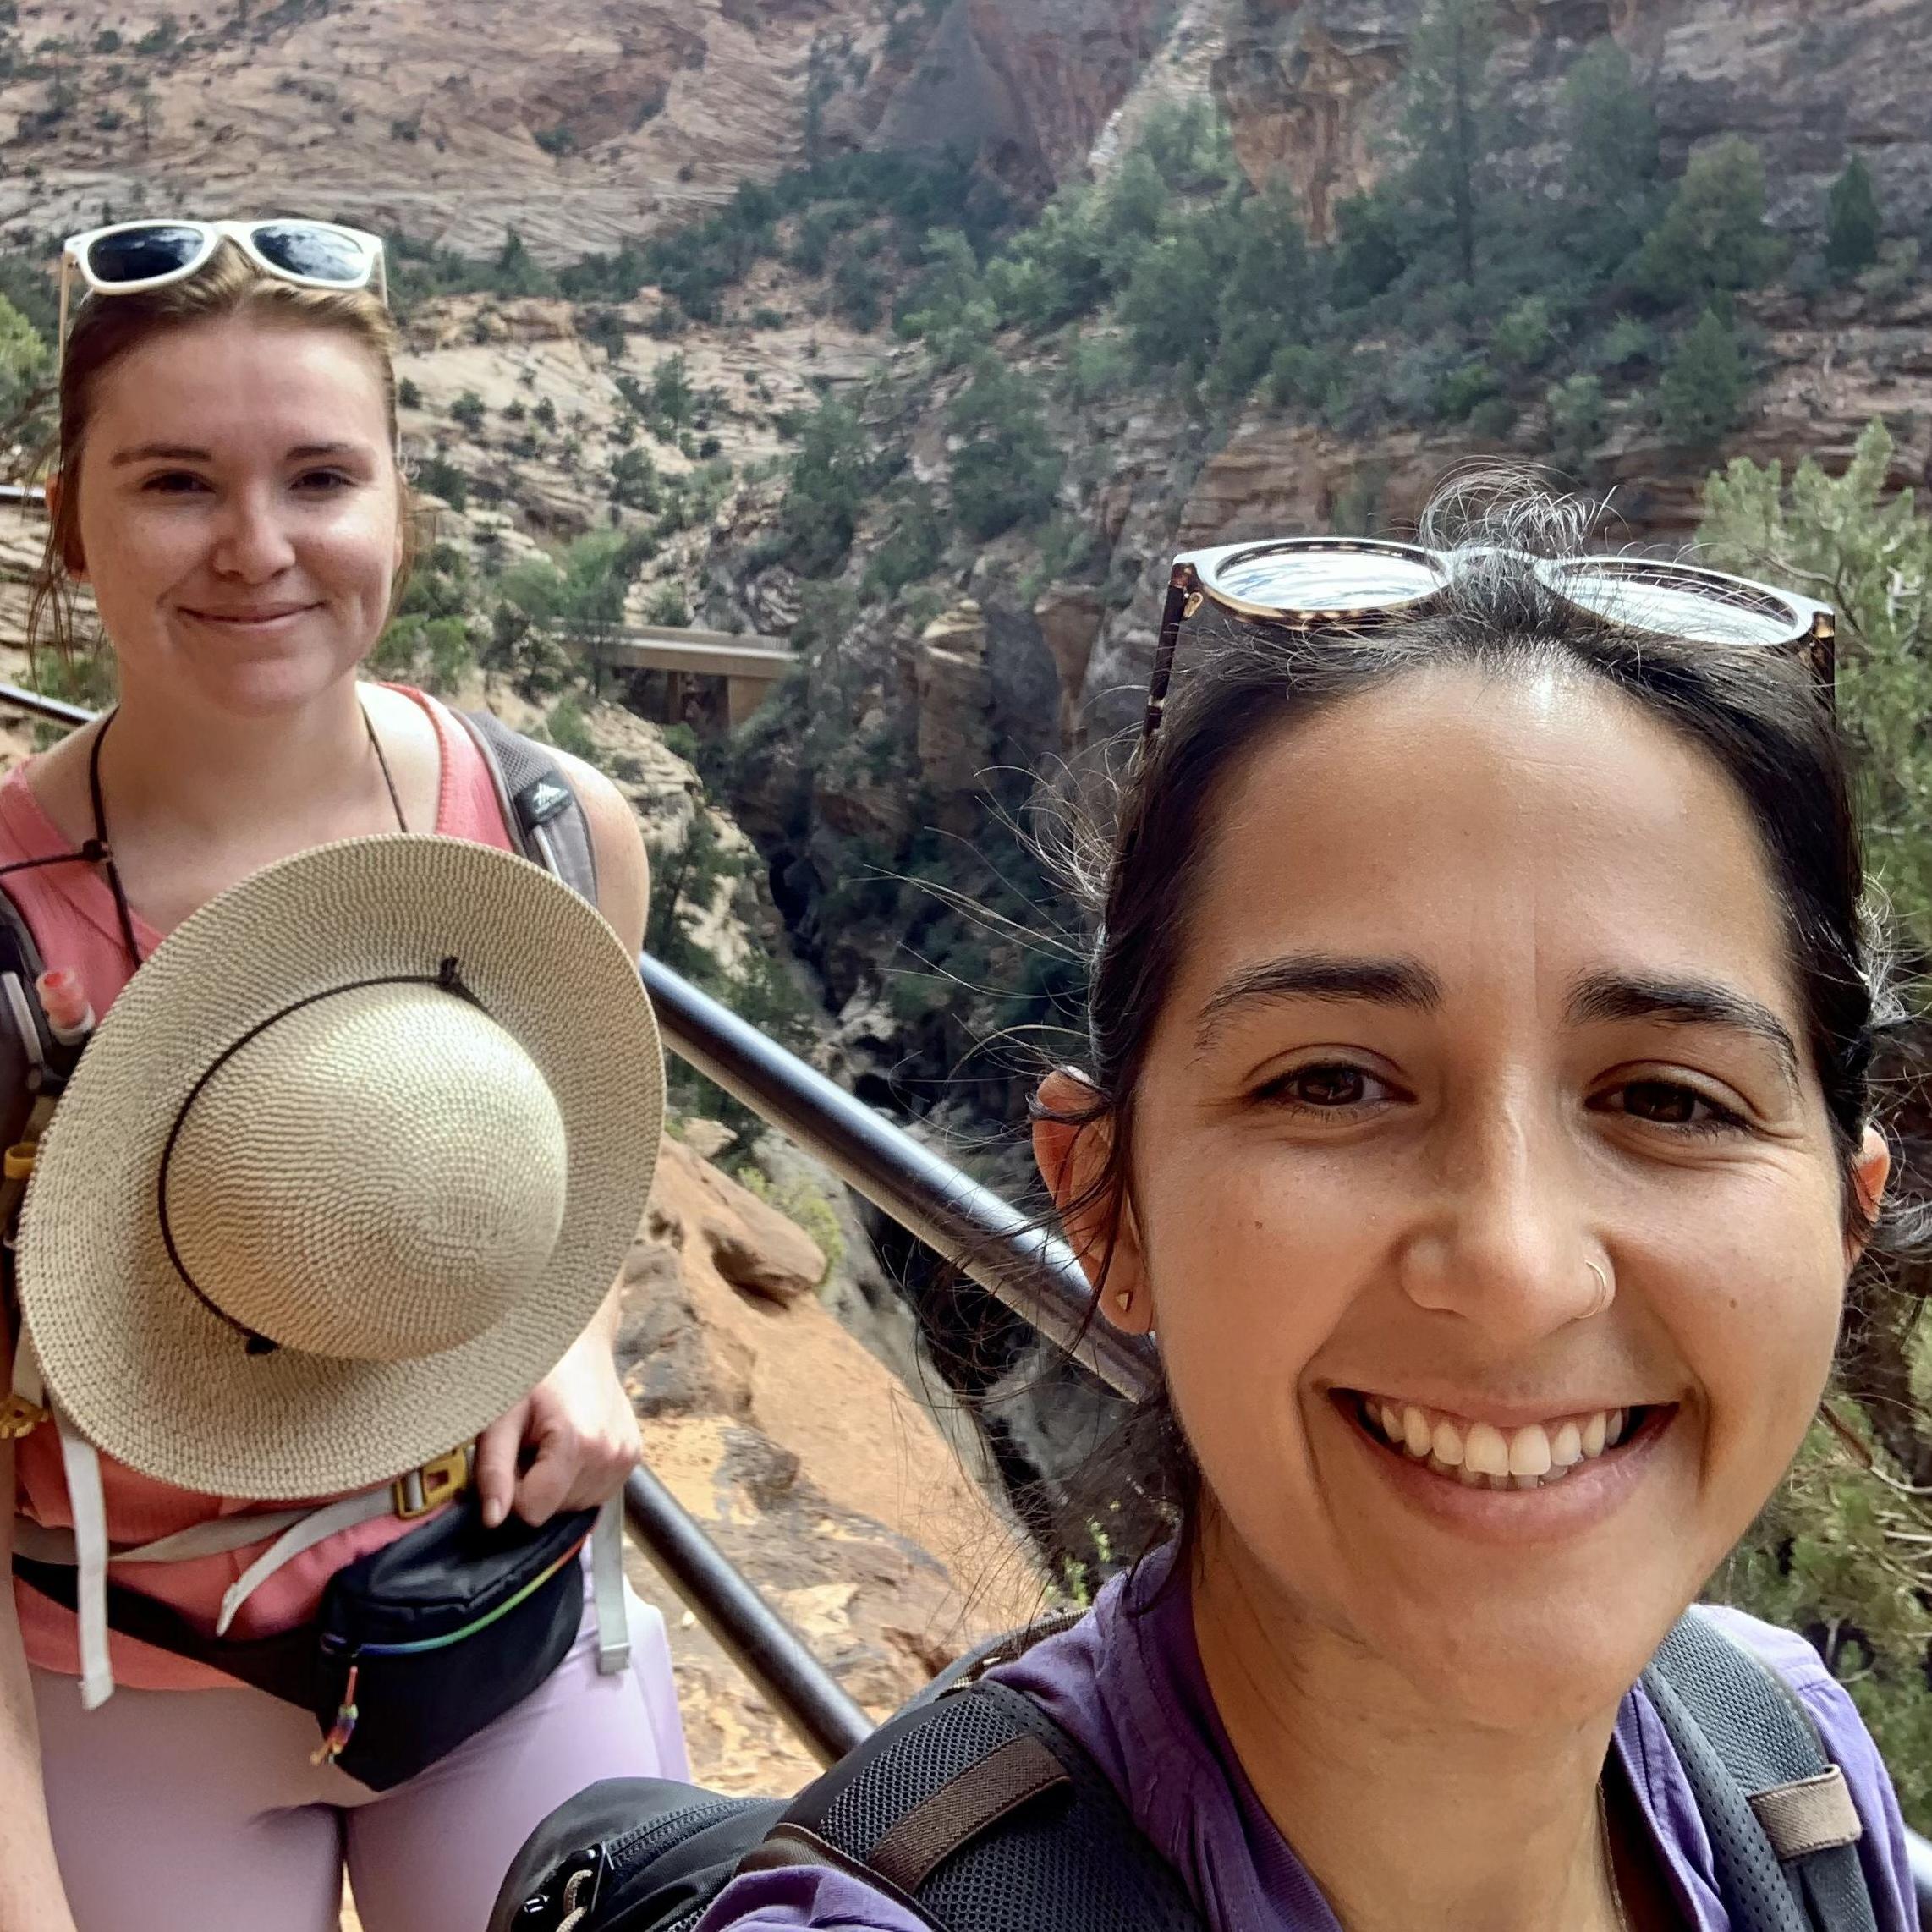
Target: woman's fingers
[[497, 1449]]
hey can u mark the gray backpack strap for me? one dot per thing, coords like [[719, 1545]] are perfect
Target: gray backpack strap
[[1783, 1829], [29, 1057], [541, 810]]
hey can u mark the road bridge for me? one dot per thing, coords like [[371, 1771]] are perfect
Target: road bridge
[[749, 664]]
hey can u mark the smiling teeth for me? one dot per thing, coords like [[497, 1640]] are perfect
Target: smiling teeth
[[1480, 1456]]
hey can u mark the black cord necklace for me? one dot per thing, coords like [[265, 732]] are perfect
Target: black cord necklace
[[98, 850]]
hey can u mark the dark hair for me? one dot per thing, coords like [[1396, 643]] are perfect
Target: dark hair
[[1129, 846]]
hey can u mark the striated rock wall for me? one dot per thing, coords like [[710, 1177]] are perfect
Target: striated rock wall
[[1306, 86], [577, 123]]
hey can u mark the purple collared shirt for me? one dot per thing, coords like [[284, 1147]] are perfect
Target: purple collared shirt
[[1131, 1689]]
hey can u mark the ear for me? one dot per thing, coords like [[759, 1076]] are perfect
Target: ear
[[71, 561], [1870, 1171], [1072, 1143]]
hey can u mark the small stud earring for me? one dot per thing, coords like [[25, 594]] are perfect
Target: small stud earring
[[1124, 1300]]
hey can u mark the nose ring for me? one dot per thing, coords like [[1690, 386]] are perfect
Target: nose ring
[[1603, 1299]]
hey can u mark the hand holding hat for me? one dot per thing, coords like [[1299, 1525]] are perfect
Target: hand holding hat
[[352, 1161]]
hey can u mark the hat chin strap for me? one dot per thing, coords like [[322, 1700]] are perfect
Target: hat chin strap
[[81, 1466]]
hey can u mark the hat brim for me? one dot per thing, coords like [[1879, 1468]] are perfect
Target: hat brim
[[153, 1377]]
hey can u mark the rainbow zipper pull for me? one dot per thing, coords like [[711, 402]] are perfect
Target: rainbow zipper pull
[[343, 1728]]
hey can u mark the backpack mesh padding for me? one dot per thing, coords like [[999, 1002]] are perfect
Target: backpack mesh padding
[[561, 845], [1747, 1734], [1075, 1861], [1749, 1878]]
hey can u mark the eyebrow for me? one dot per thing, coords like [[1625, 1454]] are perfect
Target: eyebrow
[[1318, 976], [1684, 1002], [162, 453], [187, 452]]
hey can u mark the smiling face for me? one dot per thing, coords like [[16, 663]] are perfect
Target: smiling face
[[238, 511], [1484, 1006]]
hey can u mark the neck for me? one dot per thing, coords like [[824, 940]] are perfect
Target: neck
[[1402, 1812], [242, 771]]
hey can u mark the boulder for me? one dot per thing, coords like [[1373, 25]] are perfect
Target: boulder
[[813, 1467]]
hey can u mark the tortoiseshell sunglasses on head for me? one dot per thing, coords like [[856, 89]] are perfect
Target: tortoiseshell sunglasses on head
[[1315, 583]]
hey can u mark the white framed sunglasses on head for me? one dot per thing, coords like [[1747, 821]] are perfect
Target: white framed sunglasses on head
[[131, 257]]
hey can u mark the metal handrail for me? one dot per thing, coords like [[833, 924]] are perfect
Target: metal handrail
[[1027, 1269], [1012, 1257]]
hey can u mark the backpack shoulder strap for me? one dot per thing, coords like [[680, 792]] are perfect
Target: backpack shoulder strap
[[1783, 1828], [978, 1813], [541, 809]]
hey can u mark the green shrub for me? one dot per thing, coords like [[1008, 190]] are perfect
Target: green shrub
[[1469, 383], [1712, 241], [1269, 297], [1625, 342], [1612, 161], [1852, 225], [567, 728], [634, 481], [1577, 419], [667, 606], [1702, 391], [1006, 469], [831, 477], [469, 410], [442, 478], [913, 543], [1524, 338], [407, 395]]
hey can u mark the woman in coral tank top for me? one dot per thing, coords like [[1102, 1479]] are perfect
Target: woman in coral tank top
[[230, 490]]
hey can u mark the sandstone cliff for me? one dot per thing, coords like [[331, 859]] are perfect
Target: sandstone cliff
[[578, 122], [1306, 86]]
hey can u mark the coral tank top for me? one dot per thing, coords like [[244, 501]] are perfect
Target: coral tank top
[[71, 912]]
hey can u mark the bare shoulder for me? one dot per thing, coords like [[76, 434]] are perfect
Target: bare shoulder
[[623, 869]]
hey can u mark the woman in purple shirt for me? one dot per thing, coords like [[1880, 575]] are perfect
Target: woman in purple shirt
[[1478, 1115]]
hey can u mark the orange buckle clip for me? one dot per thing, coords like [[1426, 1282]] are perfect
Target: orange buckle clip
[[420, 1490], [18, 1417]]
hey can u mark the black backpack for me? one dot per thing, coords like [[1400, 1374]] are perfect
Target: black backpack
[[978, 1814]]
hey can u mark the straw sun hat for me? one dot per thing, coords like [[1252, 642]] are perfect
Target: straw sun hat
[[352, 1161]]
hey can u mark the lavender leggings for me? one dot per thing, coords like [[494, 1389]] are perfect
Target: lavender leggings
[[198, 1811]]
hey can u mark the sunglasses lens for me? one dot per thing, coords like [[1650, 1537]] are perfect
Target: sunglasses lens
[[135, 254], [316, 253], [1279, 577], [1669, 605]]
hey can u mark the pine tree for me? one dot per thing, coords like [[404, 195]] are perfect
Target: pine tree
[[1703, 388], [1449, 120], [1712, 239], [1852, 225], [1612, 161]]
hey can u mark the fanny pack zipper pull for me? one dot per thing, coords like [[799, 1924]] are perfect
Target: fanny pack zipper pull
[[343, 1728]]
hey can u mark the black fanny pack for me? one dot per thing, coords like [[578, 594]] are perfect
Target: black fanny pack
[[416, 1647]]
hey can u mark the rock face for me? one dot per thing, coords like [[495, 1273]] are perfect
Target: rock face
[[1069, 616], [1305, 83], [954, 696], [1027, 84], [577, 123], [810, 1465]]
